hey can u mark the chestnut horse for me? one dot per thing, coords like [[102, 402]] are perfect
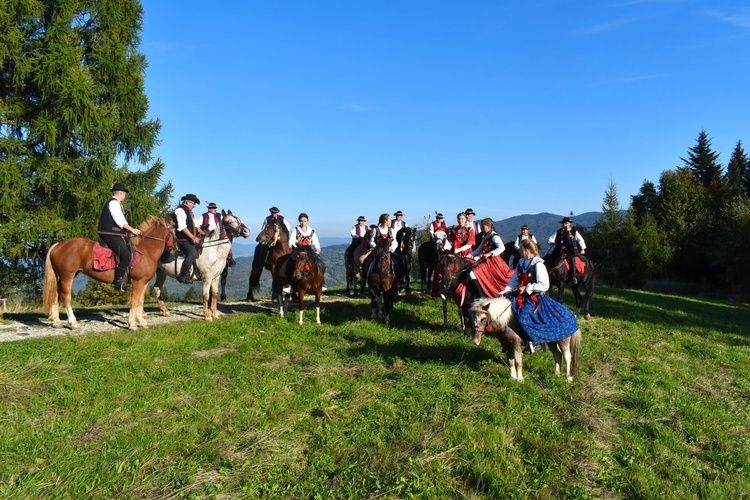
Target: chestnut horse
[[383, 280], [304, 273], [496, 318], [273, 242], [68, 257], [210, 263]]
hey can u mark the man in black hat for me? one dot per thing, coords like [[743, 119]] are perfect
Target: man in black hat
[[438, 230], [211, 220], [188, 230], [398, 222], [275, 215], [113, 228], [569, 241]]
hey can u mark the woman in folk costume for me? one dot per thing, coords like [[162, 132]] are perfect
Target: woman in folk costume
[[383, 231], [438, 229], [461, 236], [490, 274], [542, 318], [304, 237]]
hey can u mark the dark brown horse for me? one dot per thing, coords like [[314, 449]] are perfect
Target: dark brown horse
[[68, 257], [304, 273], [383, 280], [354, 265], [453, 285], [405, 250], [273, 242], [558, 275]]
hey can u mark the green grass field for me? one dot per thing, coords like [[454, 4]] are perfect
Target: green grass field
[[257, 406]]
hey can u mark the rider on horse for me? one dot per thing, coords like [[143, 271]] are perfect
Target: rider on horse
[[275, 216], [462, 236], [490, 274], [569, 241], [358, 233], [188, 230], [304, 236], [113, 227], [438, 229]]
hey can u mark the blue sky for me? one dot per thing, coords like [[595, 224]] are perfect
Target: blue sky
[[348, 108]]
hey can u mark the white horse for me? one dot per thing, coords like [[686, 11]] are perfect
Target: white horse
[[495, 317], [210, 263]]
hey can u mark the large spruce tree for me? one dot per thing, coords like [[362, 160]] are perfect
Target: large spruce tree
[[703, 162], [73, 119]]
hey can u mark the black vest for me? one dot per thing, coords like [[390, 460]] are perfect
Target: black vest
[[189, 222], [107, 223]]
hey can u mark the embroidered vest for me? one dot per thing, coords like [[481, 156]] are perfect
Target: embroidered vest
[[303, 240], [488, 243]]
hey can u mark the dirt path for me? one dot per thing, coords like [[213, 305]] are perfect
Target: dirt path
[[20, 326]]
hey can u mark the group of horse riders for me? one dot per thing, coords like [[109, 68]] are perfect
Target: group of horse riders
[[113, 230]]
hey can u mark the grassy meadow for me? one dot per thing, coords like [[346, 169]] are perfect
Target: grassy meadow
[[254, 405]]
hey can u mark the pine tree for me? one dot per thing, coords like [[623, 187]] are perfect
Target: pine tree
[[703, 162], [738, 171], [72, 119], [646, 202]]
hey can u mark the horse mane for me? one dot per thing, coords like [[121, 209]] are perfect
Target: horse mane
[[150, 222], [498, 310]]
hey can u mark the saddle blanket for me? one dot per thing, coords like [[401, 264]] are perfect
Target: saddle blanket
[[103, 258], [580, 265]]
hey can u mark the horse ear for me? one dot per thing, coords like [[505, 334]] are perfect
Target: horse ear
[[223, 213], [230, 213], [486, 307]]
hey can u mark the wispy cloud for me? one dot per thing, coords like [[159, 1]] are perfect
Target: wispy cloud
[[355, 108], [625, 80], [599, 29], [740, 19]]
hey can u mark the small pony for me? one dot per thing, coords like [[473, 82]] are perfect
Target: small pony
[[495, 317]]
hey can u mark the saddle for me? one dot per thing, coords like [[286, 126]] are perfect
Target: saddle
[[580, 265], [103, 258]]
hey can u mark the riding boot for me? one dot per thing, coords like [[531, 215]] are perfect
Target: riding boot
[[196, 272], [476, 289], [119, 282], [573, 279], [185, 274]]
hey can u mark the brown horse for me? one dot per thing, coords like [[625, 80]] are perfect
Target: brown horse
[[496, 318], [455, 272], [304, 272], [68, 257], [383, 280], [273, 242], [354, 270]]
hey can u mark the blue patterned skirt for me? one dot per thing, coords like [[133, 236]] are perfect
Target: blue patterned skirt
[[544, 319]]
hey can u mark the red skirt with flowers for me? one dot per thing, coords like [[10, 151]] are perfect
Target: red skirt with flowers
[[493, 275]]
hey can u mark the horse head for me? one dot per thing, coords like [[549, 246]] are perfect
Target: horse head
[[233, 225], [383, 253], [453, 268], [270, 234], [303, 264], [479, 317]]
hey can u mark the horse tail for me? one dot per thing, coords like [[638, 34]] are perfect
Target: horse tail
[[575, 352], [49, 289]]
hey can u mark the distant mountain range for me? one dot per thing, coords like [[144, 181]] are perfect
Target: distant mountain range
[[541, 225]]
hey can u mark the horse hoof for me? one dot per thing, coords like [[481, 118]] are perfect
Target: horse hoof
[[75, 327], [209, 319], [570, 379]]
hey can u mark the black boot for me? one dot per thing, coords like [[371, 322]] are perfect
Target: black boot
[[119, 282], [573, 279], [476, 289], [185, 274]]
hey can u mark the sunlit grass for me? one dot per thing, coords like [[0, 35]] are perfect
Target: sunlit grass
[[255, 405]]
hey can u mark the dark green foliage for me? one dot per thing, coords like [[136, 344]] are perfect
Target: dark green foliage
[[73, 110], [97, 293]]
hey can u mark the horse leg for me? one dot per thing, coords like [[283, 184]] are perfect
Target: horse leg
[[161, 276], [557, 353], [388, 306], [215, 297], [577, 295], [374, 305], [445, 311], [136, 317], [301, 303], [318, 294], [64, 290], [224, 275]]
